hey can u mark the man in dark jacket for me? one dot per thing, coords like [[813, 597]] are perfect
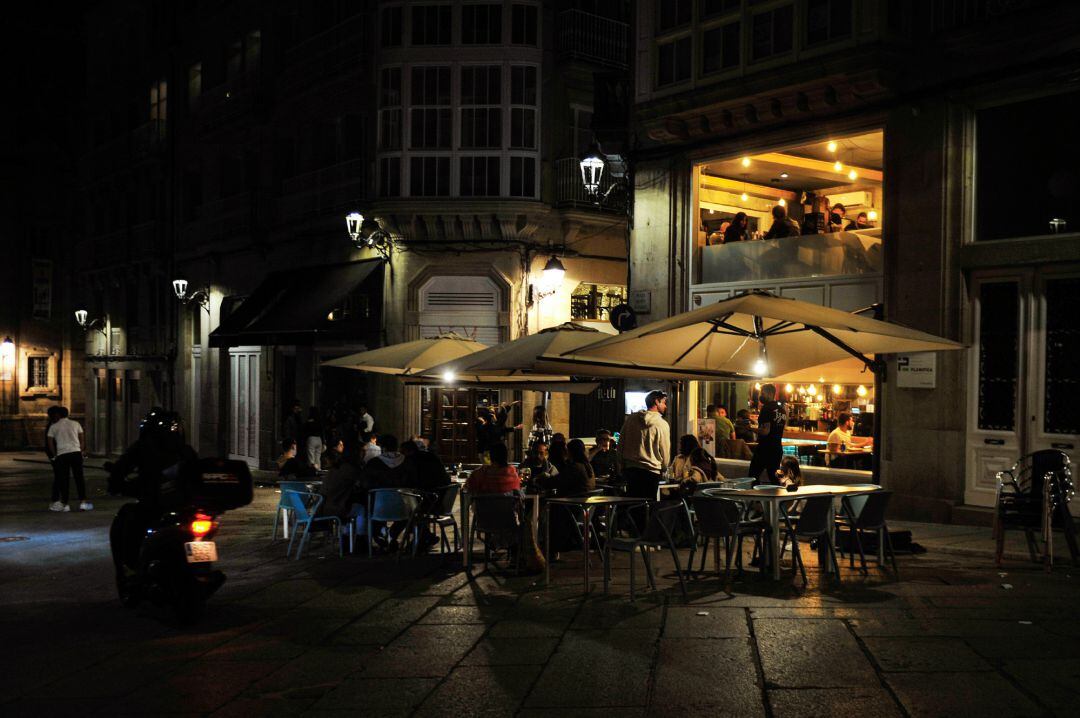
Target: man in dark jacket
[[782, 226]]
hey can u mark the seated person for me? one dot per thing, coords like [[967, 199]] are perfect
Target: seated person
[[789, 473], [386, 470], [337, 445], [537, 462], [782, 226], [291, 467], [576, 476], [862, 221], [725, 429], [742, 426], [600, 435], [702, 468], [680, 467], [424, 471], [841, 437], [340, 487], [733, 449], [370, 448], [605, 459], [498, 477]]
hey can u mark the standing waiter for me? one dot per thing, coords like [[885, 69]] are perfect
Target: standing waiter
[[770, 436]]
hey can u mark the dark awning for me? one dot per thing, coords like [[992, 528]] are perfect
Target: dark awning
[[331, 302]]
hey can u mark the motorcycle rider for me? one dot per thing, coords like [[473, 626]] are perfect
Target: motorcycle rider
[[161, 462]]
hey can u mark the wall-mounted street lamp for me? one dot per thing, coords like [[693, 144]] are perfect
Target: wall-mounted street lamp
[[551, 280], [593, 166], [7, 359], [82, 318], [367, 234], [199, 296]]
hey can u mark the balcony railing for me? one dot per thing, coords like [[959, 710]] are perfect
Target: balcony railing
[[570, 191], [323, 191], [814, 255], [593, 38]]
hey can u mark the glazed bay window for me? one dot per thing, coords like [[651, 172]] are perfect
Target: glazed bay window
[[772, 32], [390, 109], [712, 8], [479, 177], [429, 176], [673, 61], [481, 24], [523, 177], [523, 107], [523, 22], [390, 28], [481, 107], [431, 24], [674, 13], [390, 176], [827, 20], [430, 114], [720, 48]]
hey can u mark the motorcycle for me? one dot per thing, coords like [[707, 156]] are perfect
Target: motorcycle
[[165, 552]]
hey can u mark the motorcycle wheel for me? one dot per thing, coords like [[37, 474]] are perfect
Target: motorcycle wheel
[[189, 604]]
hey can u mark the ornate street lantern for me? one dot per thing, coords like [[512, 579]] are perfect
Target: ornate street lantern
[[179, 287], [592, 171]]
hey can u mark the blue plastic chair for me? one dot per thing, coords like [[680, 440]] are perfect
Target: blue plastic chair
[[305, 508], [393, 505], [283, 507]]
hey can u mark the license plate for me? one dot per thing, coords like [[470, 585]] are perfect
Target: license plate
[[200, 551]]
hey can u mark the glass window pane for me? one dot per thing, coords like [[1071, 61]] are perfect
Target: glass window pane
[[999, 343], [1062, 387], [524, 23]]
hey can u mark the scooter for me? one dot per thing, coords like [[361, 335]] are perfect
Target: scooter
[[167, 555]]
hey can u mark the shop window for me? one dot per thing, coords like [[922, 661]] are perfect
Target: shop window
[[523, 25], [999, 343], [431, 25], [720, 48], [523, 177], [673, 13], [595, 301], [390, 27], [673, 62], [1062, 389], [481, 24], [429, 176], [827, 20], [479, 177], [1035, 140], [772, 32]]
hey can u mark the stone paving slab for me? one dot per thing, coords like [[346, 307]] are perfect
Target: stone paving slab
[[330, 636]]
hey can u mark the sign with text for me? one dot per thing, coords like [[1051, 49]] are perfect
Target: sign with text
[[641, 301], [916, 371]]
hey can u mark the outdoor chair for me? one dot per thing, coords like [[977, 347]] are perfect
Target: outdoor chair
[[871, 518], [813, 523], [1034, 495], [497, 520], [441, 516], [721, 519], [304, 507], [283, 509], [393, 505], [663, 522]]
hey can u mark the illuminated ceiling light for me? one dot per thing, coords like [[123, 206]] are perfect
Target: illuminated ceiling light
[[788, 388], [811, 390], [861, 391], [838, 166], [831, 146], [821, 379], [744, 197], [853, 175], [872, 215], [837, 389], [712, 211], [784, 175], [782, 202], [449, 377], [745, 161], [761, 368]]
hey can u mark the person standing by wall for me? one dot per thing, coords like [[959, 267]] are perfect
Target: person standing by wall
[[65, 442]]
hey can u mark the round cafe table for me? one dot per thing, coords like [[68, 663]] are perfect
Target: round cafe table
[[588, 505]]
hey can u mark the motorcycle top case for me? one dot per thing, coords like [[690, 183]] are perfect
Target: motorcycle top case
[[221, 485]]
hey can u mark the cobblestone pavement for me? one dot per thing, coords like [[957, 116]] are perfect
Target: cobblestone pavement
[[325, 636]]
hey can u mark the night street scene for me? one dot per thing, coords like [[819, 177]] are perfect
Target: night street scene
[[540, 358]]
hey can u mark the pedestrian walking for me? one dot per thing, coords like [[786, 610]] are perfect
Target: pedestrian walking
[[313, 437], [770, 434], [65, 442]]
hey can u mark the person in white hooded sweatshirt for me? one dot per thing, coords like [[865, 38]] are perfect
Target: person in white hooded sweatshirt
[[645, 447]]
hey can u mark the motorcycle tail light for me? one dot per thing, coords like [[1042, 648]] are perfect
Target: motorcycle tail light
[[202, 525]]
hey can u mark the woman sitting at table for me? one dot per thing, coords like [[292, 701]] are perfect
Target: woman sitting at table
[[291, 467], [498, 477], [789, 473], [680, 467]]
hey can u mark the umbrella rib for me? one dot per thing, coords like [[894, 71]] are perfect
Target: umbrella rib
[[694, 346], [870, 363]]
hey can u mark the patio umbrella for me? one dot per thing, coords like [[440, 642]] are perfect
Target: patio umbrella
[[409, 358], [519, 383], [761, 334], [540, 354]]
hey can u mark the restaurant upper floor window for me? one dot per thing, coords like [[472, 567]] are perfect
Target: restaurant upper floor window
[[523, 24], [772, 32], [673, 13], [720, 48], [481, 24], [431, 25], [673, 61], [1027, 168], [827, 20], [390, 27]]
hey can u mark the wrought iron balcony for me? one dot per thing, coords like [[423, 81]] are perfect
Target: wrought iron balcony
[[593, 38], [570, 191]]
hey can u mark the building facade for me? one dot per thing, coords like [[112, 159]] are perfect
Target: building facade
[[945, 127], [226, 147]]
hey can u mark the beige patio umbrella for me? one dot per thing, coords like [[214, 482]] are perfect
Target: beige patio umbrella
[[540, 354], [760, 334], [409, 358]]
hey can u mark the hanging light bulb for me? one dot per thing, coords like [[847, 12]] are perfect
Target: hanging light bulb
[[782, 202], [861, 391], [831, 146], [745, 161], [784, 175], [761, 368], [448, 377], [788, 388], [838, 166], [757, 386], [853, 175], [811, 390], [744, 197], [837, 389], [872, 215]]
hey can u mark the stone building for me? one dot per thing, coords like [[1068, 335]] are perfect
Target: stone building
[[948, 125]]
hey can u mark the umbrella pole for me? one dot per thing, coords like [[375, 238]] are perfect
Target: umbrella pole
[[875, 457]]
